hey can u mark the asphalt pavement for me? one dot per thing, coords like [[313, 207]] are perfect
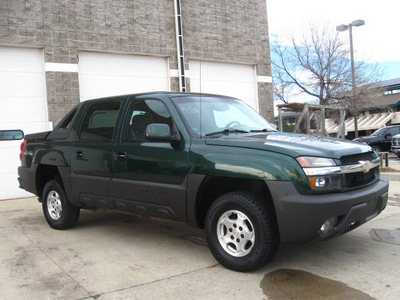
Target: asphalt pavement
[[115, 256]]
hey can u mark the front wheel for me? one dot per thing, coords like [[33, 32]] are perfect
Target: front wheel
[[57, 210], [377, 150], [241, 231]]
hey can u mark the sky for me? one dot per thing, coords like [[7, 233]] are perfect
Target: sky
[[377, 41]]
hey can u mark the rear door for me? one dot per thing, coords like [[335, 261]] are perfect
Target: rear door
[[149, 177], [92, 154]]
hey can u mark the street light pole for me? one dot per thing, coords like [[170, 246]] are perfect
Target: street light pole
[[353, 74]]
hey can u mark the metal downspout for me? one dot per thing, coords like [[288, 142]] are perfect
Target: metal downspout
[[179, 45]]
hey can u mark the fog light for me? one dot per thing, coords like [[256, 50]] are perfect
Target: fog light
[[328, 226]]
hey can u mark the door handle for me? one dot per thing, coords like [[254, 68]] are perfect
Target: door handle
[[79, 154], [120, 156]]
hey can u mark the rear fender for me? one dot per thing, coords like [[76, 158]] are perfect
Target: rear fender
[[50, 157]]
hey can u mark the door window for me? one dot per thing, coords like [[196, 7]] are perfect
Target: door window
[[100, 120], [141, 114], [393, 131]]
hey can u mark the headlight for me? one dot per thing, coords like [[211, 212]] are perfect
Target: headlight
[[314, 162], [321, 179]]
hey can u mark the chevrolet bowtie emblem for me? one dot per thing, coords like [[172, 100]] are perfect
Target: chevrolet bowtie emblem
[[366, 166]]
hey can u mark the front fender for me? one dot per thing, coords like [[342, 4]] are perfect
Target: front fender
[[248, 163]]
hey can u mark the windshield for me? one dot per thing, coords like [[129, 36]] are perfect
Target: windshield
[[220, 115]]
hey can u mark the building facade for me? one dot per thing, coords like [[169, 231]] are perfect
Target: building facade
[[56, 53]]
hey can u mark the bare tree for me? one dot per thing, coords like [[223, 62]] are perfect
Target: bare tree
[[318, 65]]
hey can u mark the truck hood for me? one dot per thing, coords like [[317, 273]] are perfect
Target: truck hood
[[292, 144]]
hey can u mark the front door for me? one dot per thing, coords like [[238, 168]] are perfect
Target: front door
[[149, 178]]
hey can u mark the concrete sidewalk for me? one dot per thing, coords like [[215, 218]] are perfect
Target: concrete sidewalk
[[394, 163], [115, 256]]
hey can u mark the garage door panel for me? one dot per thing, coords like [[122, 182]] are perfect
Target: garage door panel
[[9, 157], [96, 86], [220, 71], [229, 79], [20, 60], [22, 109], [243, 91], [104, 74], [17, 84], [116, 64], [23, 106], [11, 190], [27, 128]]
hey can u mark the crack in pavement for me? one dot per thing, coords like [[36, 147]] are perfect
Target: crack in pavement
[[149, 283]]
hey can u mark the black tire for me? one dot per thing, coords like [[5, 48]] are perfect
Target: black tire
[[57, 210], [241, 247]]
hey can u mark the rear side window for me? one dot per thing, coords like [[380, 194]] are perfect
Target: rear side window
[[99, 122]]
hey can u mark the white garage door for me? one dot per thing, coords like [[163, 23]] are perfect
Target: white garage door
[[104, 74], [23, 106], [235, 80]]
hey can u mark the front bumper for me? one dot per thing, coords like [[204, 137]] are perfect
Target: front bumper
[[300, 217]]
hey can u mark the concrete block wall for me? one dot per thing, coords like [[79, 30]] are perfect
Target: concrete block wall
[[62, 93], [223, 30]]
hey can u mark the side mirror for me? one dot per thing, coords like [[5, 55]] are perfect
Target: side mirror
[[161, 133], [388, 135], [9, 135]]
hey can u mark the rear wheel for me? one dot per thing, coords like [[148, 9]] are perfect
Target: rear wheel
[[241, 231], [57, 210]]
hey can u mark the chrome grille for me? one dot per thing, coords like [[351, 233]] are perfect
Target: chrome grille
[[356, 158], [359, 179]]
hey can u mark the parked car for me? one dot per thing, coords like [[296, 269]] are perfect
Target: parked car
[[396, 145], [381, 139], [209, 161]]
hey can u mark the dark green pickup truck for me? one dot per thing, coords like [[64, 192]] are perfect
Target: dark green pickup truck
[[206, 160]]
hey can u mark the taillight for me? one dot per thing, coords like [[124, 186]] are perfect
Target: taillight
[[22, 149]]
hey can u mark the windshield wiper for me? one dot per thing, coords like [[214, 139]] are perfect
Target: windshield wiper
[[226, 131], [262, 130]]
